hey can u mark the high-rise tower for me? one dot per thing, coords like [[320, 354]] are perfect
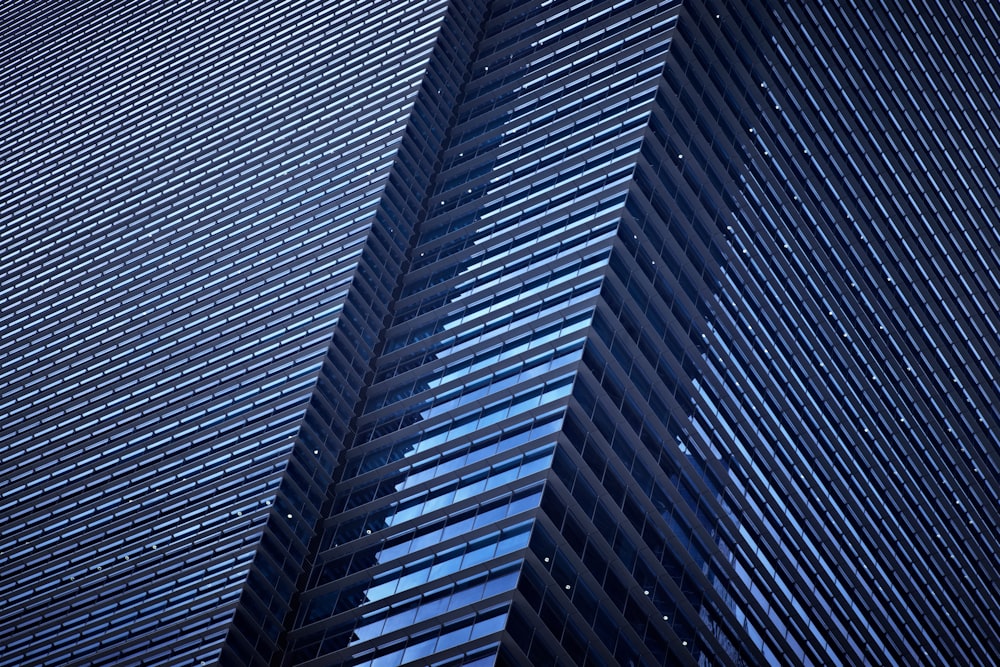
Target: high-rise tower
[[422, 332]]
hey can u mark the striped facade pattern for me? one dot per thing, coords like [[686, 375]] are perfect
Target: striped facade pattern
[[850, 381], [499, 332], [199, 229], [445, 483]]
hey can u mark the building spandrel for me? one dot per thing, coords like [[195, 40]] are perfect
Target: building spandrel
[[623, 332]]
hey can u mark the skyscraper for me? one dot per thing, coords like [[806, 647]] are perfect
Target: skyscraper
[[425, 332]]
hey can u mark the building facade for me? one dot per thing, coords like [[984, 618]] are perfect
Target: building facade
[[610, 332]]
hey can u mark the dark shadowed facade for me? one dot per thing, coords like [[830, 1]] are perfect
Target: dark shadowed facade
[[417, 332]]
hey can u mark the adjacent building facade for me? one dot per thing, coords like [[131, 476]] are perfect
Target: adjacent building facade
[[621, 332]]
